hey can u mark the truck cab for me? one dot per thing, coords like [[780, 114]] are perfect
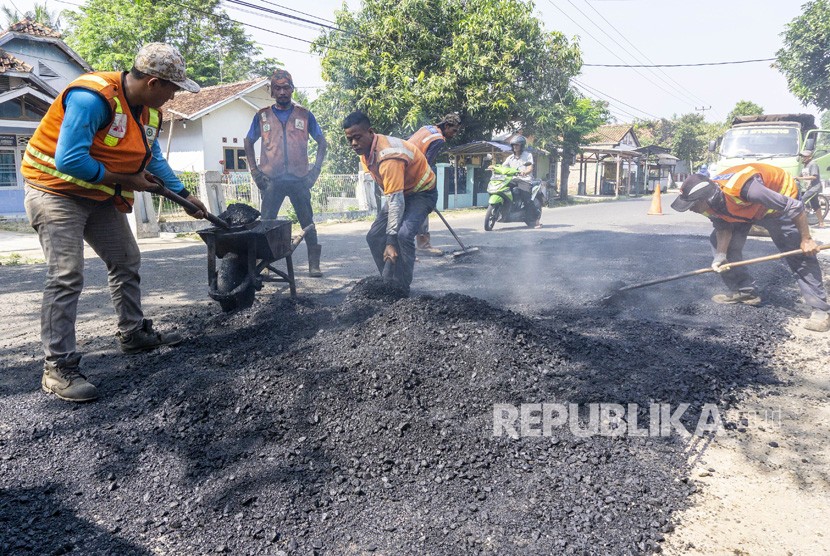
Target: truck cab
[[774, 139]]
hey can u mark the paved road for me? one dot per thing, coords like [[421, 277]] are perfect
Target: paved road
[[572, 260]]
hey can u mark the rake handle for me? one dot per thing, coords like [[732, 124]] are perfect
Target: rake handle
[[725, 267], [447, 224]]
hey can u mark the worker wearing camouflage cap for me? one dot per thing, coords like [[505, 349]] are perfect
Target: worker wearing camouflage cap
[[283, 169], [431, 140], [96, 146]]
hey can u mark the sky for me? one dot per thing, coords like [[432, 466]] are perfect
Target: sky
[[609, 32]]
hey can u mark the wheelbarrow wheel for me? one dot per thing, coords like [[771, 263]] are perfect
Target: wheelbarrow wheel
[[231, 274]]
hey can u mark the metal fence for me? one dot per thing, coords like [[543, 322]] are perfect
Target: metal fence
[[333, 193], [167, 209]]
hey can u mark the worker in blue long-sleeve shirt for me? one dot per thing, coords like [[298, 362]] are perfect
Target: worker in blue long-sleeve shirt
[[95, 146]]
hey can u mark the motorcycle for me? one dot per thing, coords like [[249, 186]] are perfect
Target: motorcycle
[[506, 205]]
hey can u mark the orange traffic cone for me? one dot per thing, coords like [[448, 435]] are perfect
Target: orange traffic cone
[[656, 204]]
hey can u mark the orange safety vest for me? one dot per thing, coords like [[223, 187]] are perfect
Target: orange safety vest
[[123, 146], [418, 176], [284, 145], [426, 136], [732, 180]]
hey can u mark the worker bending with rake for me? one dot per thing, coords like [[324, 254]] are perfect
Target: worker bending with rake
[[408, 185], [431, 140], [765, 195]]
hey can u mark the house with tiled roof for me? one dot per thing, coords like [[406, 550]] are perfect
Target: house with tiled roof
[[35, 66], [205, 131], [607, 163]]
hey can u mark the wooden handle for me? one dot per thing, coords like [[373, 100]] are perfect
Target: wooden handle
[[181, 201], [725, 267]]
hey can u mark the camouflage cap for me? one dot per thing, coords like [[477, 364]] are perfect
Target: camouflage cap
[[165, 62], [451, 119], [282, 75]]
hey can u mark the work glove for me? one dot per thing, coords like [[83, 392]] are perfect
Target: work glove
[[313, 174], [718, 261], [261, 179]]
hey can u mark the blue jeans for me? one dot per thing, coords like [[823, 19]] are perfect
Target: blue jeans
[[300, 196], [786, 238], [416, 209]]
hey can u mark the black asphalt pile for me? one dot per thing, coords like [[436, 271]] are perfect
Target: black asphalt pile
[[374, 288], [239, 214], [367, 428]]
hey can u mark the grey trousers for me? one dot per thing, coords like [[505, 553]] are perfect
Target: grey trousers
[[786, 238], [62, 224]]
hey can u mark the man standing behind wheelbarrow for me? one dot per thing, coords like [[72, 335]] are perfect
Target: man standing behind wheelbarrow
[[408, 184], [765, 195], [95, 146], [283, 169], [431, 140]]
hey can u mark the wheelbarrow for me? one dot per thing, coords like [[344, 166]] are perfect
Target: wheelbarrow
[[245, 252]]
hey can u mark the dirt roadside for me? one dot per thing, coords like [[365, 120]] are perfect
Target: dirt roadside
[[764, 487]]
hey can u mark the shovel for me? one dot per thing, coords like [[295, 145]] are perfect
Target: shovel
[[184, 203], [464, 250], [723, 268]]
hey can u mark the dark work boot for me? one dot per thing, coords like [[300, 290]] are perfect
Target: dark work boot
[[146, 339], [65, 380], [314, 260]]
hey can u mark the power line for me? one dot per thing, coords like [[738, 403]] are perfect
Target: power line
[[681, 65], [688, 97], [597, 91], [283, 14], [643, 54], [667, 91], [299, 12]]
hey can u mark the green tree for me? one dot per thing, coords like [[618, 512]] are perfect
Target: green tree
[[744, 108], [108, 33], [803, 58], [407, 63], [825, 119], [40, 13], [690, 139]]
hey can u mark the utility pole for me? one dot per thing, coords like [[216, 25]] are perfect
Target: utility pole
[[703, 109]]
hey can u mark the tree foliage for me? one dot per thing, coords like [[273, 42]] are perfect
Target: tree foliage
[[691, 137], [744, 108], [108, 33], [407, 63], [39, 13], [805, 57]]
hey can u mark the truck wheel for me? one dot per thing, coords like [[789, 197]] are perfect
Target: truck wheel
[[490, 217]]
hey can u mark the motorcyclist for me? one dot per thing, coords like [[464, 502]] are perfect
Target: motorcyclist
[[523, 161]]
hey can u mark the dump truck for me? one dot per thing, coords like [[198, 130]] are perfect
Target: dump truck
[[772, 139]]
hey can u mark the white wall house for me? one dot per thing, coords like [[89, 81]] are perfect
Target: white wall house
[[206, 130], [35, 66]]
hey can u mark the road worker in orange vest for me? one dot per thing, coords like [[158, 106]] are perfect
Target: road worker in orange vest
[[766, 195], [408, 184], [283, 169], [431, 140], [95, 146]]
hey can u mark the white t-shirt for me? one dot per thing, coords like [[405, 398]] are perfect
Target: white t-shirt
[[520, 161]]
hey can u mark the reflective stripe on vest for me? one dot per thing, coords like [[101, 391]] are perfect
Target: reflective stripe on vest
[[32, 153], [118, 128], [424, 183]]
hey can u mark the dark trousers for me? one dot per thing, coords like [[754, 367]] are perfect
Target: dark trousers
[[417, 208], [786, 238], [299, 195]]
